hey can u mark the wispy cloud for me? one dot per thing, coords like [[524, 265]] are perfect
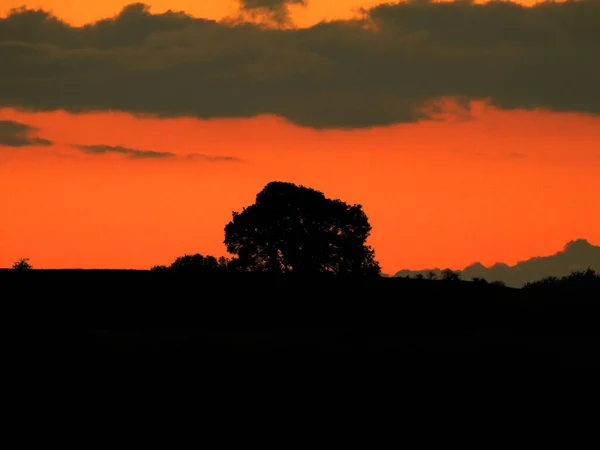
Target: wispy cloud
[[209, 158], [136, 153], [132, 153], [16, 134]]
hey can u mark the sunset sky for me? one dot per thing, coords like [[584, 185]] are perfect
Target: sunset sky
[[128, 134]]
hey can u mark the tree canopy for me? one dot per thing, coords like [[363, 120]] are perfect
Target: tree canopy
[[296, 229]]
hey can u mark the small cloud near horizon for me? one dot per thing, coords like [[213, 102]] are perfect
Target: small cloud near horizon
[[132, 153], [577, 255], [17, 134], [213, 158], [136, 153]]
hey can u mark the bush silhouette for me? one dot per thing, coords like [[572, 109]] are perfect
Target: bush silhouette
[[196, 263], [450, 275], [577, 279], [22, 264], [296, 229]]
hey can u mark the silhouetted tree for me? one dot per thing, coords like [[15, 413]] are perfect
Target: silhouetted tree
[[199, 264], [589, 273], [581, 278], [296, 229], [450, 275], [419, 276], [577, 279], [431, 275], [546, 281], [226, 263], [195, 264], [22, 264]]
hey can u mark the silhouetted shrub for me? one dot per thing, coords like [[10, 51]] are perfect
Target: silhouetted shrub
[[22, 264], [198, 263], [583, 278], [450, 275], [195, 264]]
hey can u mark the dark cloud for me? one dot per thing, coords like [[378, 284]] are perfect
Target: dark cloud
[[275, 10], [16, 134], [379, 70], [129, 152], [135, 153], [270, 4]]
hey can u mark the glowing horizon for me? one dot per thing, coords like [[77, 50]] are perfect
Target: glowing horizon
[[131, 151], [80, 13], [408, 209]]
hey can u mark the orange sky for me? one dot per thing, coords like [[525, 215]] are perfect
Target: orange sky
[[502, 186]]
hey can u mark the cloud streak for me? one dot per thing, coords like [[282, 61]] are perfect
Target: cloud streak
[[379, 70], [208, 158], [16, 134], [132, 153], [135, 153]]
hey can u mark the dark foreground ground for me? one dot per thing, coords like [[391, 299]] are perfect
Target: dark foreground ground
[[95, 315]]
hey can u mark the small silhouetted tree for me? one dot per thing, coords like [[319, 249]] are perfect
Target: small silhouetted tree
[[194, 264], [225, 263], [296, 229], [578, 279], [546, 281], [199, 263], [431, 275], [581, 278], [450, 275], [22, 264], [419, 276]]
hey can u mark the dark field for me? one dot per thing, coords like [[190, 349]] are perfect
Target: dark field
[[88, 314]]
